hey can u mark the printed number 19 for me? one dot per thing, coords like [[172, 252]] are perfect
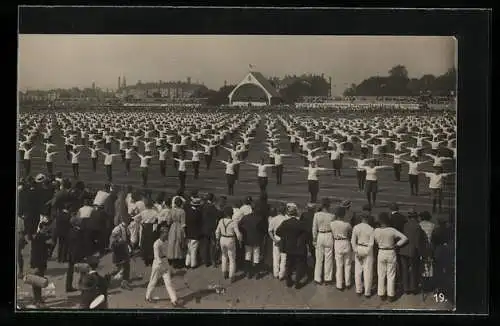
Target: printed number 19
[[439, 297]]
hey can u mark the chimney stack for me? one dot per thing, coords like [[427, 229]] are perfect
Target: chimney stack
[[119, 85], [189, 80], [124, 82], [225, 83]]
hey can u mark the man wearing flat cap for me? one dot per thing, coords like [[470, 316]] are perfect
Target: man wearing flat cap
[[293, 235]]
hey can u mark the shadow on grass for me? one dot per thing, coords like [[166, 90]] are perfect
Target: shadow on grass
[[197, 296]]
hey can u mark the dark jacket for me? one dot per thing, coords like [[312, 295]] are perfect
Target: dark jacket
[[210, 217], [416, 236], [398, 221], [28, 203], [94, 285], [253, 229], [62, 224], [193, 222], [79, 244], [307, 218], [293, 236], [40, 250]]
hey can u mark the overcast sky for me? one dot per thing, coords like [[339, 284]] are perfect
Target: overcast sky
[[63, 61]]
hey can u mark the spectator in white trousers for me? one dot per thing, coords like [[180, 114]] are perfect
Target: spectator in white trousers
[[227, 233], [387, 240], [161, 268], [342, 231], [362, 245], [279, 257], [322, 238]]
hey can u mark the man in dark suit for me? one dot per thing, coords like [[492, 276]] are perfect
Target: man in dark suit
[[94, 285], [61, 231], [253, 228], [397, 221], [79, 247], [307, 218], [193, 231], [40, 248], [210, 218], [442, 238], [293, 236], [410, 254]]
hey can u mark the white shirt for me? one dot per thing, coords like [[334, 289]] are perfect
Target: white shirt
[[144, 161], [386, 237], [162, 155], [74, 157], [397, 158], [371, 173], [123, 144], [182, 165], [147, 146], [362, 233], [27, 153], [160, 249], [108, 158], [278, 158], [312, 173], [436, 180], [245, 210], [229, 167], [50, 157], [100, 197], [262, 169], [196, 156], [413, 167], [334, 155], [275, 223], [128, 153]]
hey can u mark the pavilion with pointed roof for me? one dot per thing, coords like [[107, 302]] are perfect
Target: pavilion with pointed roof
[[254, 90]]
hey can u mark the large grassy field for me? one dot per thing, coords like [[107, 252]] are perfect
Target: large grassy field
[[293, 189]]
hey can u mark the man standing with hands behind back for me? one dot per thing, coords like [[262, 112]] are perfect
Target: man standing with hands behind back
[[293, 235]]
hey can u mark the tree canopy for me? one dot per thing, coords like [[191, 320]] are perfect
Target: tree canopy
[[398, 83]]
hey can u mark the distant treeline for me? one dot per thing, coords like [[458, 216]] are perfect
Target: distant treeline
[[397, 83]]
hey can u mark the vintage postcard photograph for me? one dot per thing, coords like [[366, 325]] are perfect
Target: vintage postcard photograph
[[236, 172]]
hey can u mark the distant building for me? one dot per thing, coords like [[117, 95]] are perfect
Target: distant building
[[168, 90]]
